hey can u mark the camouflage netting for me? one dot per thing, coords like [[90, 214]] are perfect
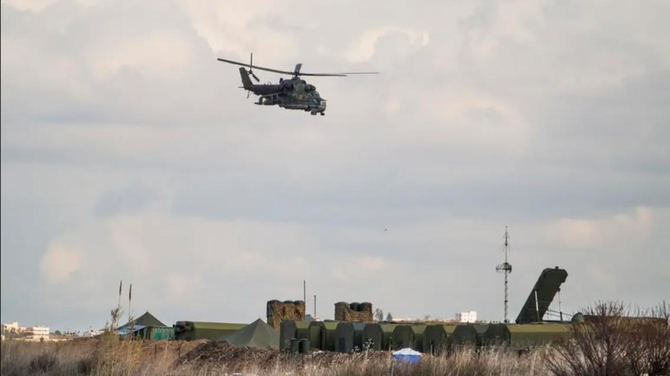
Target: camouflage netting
[[354, 312], [288, 310]]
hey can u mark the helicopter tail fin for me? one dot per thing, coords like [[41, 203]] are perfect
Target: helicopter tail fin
[[246, 81]]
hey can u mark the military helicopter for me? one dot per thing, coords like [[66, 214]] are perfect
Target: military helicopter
[[292, 94]]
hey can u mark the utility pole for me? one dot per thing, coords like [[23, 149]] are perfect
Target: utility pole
[[505, 268]]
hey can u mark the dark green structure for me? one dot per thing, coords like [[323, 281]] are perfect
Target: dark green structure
[[192, 330], [495, 335], [546, 287], [408, 336], [148, 327], [330, 335], [417, 343], [290, 329], [437, 338], [147, 319], [464, 335], [358, 335], [372, 337], [533, 335], [345, 337], [387, 339], [317, 337]]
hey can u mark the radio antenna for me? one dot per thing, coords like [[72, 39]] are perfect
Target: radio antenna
[[505, 268]]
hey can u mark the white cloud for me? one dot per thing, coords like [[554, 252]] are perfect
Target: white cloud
[[548, 117], [60, 262], [364, 48], [607, 232]]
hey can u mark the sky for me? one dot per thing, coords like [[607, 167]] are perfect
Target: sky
[[129, 153]]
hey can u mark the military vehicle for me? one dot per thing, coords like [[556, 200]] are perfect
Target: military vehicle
[[292, 94]]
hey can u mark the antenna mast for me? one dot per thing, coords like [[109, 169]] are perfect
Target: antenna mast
[[505, 268]]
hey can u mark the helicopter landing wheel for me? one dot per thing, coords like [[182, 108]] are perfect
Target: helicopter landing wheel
[[323, 114], [313, 113]]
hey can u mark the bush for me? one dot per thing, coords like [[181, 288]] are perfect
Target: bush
[[611, 343]]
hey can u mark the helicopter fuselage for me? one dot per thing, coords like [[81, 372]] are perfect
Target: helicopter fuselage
[[292, 94]]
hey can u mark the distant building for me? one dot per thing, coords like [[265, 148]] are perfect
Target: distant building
[[92, 333], [468, 317], [38, 333], [13, 328], [310, 318]]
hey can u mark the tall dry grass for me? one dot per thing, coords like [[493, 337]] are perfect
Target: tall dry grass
[[609, 344], [22, 358]]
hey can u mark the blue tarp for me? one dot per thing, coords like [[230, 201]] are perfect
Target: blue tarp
[[126, 330], [407, 355]]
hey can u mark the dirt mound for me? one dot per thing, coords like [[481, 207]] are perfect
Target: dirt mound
[[238, 358]]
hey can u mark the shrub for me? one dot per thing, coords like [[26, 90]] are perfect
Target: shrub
[[611, 343]]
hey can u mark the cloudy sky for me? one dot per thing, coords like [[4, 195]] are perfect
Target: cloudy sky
[[128, 152]]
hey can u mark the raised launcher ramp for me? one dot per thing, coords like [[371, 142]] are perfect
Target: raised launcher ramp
[[545, 289]]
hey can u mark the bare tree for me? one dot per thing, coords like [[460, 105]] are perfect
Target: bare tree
[[612, 343]]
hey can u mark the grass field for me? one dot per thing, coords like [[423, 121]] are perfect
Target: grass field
[[146, 358], [610, 343]]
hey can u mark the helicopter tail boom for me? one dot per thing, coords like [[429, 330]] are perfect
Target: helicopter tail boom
[[246, 81]]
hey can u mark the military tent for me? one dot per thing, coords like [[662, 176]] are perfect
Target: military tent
[[147, 319], [437, 338], [496, 335], [317, 337], [372, 337], [464, 335], [358, 335], [417, 341], [530, 335], [257, 334], [387, 331], [330, 335], [480, 329], [403, 337], [290, 329], [147, 327], [345, 337], [193, 330]]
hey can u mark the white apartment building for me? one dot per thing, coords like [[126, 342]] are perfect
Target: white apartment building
[[37, 333], [13, 328], [468, 317]]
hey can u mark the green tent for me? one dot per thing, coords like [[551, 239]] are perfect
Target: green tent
[[464, 335], [194, 330], [372, 337], [146, 319], [531, 335], [496, 335], [257, 334], [437, 338]]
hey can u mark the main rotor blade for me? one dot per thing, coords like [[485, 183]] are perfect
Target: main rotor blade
[[254, 67], [294, 73], [344, 74]]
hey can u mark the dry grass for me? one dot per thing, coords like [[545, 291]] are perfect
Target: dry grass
[[611, 344], [140, 358]]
